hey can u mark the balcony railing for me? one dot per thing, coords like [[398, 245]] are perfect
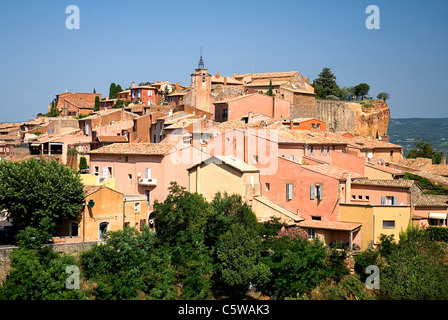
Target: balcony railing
[[147, 182]]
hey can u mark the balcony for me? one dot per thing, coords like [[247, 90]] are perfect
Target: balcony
[[147, 182]]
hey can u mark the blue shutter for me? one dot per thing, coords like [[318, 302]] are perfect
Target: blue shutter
[[312, 192], [395, 203], [383, 200]]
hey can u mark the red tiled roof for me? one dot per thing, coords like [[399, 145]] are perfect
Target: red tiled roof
[[112, 139], [330, 225], [136, 149]]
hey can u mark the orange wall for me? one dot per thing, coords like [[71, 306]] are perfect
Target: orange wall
[[302, 179], [375, 194]]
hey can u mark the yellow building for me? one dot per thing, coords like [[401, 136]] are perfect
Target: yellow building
[[225, 174], [376, 220], [104, 209]]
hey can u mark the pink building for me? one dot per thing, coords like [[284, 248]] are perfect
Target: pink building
[[144, 168], [237, 108], [431, 210]]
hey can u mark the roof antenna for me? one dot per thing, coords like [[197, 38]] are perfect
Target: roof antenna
[[201, 61]]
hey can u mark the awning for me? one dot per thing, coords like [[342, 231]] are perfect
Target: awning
[[35, 144], [437, 216]]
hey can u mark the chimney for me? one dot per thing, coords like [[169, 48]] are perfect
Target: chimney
[[348, 188], [385, 138], [132, 84], [218, 74], [225, 81], [291, 123], [443, 161]]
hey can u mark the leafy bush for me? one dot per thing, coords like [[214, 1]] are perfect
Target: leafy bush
[[437, 233]]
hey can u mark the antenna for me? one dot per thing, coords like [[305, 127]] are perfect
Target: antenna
[[201, 61]]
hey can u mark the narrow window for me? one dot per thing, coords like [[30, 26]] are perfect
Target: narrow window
[[137, 207], [268, 186], [289, 190], [311, 233]]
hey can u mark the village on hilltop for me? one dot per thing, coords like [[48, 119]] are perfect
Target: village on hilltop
[[259, 135]]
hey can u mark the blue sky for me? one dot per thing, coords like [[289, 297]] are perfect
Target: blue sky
[[125, 41]]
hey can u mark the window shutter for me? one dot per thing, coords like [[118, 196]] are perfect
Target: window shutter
[[383, 200], [312, 192], [289, 191], [395, 201], [148, 173]]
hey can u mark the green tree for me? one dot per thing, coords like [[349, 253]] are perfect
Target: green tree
[[83, 164], [33, 190], [326, 85], [415, 269], [383, 96], [425, 150], [347, 92], [238, 253], [362, 90], [38, 273], [97, 104], [270, 91], [296, 264], [113, 90]]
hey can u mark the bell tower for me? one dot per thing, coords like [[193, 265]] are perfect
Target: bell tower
[[201, 87]]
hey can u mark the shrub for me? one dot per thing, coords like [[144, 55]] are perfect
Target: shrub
[[437, 233]]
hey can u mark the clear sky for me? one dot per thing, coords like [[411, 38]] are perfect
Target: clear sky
[[125, 41]]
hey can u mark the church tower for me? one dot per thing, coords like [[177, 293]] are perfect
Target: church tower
[[201, 88]]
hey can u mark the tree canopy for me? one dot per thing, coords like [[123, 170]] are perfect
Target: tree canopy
[[325, 84], [425, 150], [39, 193]]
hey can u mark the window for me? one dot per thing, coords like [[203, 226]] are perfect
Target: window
[[388, 224], [312, 126], [126, 159], [360, 197], [255, 159], [129, 176], [87, 131], [367, 198], [316, 218], [74, 229], [224, 113], [268, 186], [133, 92], [319, 192], [311, 233], [291, 158], [353, 197], [218, 114], [138, 93], [96, 170], [109, 171], [148, 173], [150, 93], [389, 201], [137, 207], [103, 227], [318, 126], [148, 198], [316, 192], [289, 190]]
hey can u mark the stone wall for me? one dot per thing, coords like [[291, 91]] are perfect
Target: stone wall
[[72, 248], [364, 118], [337, 114]]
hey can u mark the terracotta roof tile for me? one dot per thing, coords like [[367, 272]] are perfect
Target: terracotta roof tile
[[136, 149], [331, 171], [112, 139], [330, 225], [384, 183], [429, 200]]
